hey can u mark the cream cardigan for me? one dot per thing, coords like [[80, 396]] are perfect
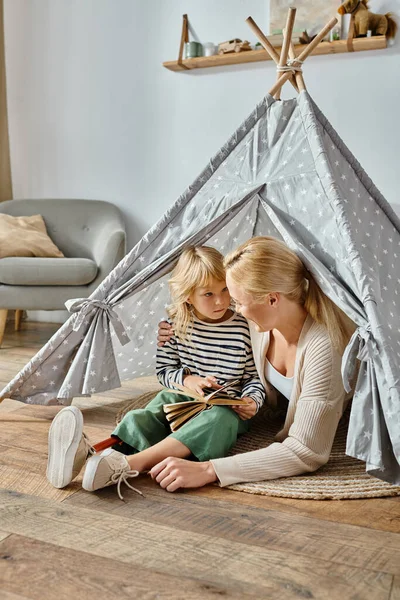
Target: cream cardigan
[[315, 406]]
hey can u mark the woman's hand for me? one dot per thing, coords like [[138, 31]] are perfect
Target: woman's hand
[[174, 473], [248, 411], [165, 333], [197, 383]]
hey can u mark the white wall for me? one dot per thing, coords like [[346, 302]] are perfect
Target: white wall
[[93, 114]]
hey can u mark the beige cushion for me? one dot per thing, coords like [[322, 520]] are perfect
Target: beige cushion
[[47, 271], [26, 236]]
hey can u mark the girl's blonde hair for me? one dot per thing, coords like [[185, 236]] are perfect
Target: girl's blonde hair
[[196, 266], [264, 264]]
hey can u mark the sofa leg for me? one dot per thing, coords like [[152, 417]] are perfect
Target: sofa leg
[[3, 320], [18, 317]]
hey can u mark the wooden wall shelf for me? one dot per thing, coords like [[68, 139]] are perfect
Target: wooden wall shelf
[[377, 42]]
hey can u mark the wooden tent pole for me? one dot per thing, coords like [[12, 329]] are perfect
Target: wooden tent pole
[[268, 46], [287, 38], [303, 55]]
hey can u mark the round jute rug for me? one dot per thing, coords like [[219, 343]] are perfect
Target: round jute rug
[[341, 478]]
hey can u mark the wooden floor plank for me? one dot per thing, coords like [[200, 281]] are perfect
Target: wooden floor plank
[[375, 513], [23, 433], [29, 459], [10, 596], [41, 571], [23, 480], [3, 535], [166, 549], [310, 537], [8, 405]]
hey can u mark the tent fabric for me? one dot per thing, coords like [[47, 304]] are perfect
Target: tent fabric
[[285, 172]]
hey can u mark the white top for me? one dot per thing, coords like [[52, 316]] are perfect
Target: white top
[[283, 384]]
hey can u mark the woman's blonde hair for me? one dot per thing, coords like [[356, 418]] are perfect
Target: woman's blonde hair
[[196, 266], [264, 264]]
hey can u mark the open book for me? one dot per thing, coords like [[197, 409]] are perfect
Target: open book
[[179, 413]]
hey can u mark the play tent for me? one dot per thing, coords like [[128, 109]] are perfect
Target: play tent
[[285, 172]]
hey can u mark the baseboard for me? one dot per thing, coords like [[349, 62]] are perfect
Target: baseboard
[[47, 316]]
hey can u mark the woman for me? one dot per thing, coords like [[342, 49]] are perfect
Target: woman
[[298, 337]]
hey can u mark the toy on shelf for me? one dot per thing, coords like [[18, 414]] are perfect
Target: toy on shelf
[[304, 38], [365, 20], [235, 45]]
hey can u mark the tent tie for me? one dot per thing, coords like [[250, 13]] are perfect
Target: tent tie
[[291, 66], [362, 345], [82, 307]]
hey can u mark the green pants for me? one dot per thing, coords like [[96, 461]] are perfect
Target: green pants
[[210, 434]]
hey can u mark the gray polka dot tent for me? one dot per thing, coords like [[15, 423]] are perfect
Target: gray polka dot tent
[[285, 172]]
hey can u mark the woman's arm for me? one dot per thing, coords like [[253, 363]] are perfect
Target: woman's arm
[[309, 440], [306, 448]]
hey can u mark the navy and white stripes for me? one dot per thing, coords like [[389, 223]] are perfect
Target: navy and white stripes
[[219, 349]]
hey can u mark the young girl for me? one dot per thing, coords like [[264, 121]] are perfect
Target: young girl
[[210, 346]]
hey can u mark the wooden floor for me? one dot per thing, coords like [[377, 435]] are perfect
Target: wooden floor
[[189, 545]]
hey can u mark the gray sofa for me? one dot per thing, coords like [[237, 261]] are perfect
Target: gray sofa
[[90, 233]]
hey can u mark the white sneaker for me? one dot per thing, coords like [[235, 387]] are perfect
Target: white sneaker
[[108, 468], [69, 447]]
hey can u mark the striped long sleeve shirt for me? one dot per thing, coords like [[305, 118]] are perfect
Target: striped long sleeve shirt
[[222, 350]]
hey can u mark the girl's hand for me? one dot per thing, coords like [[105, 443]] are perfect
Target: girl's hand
[[197, 383], [248, 411], [174, 473], [165, 333]]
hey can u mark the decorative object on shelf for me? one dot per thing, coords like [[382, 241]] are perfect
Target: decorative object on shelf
[[351, 44], [258, 46], [235, 45], [334, 34], [209, 49], [304, 38], [364, 20], [193, 49], [345, 26]]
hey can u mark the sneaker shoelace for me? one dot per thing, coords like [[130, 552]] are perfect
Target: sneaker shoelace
[[122, 476]]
